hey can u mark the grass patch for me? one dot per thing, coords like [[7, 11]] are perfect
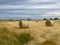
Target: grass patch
[[25, 38], [8, 38], [11, 38]]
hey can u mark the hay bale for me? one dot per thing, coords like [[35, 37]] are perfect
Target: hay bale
[[22, 24], [37, 21], [49, 23]]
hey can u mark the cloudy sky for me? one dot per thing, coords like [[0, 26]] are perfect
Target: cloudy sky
[[29, 8]]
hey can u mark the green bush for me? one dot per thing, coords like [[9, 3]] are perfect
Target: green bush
[[24, 38]]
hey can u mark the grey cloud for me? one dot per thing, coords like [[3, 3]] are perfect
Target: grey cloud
[[32, 8], [7, 2]]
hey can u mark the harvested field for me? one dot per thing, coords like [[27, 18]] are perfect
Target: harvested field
[[38, 30]]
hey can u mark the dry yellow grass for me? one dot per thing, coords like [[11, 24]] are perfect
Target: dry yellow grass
[[38, 30]]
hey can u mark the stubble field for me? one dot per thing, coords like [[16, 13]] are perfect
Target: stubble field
[[38, 30]]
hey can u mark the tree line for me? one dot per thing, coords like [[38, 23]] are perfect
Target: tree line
[[51, 19], [30, 19]]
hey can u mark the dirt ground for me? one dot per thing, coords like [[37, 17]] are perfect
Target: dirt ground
[[38, 30]]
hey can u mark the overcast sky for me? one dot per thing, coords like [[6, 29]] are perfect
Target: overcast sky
[[29, 8]]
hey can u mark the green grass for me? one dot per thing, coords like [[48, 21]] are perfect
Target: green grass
[[7, 38], [11, 38], [24, 38]]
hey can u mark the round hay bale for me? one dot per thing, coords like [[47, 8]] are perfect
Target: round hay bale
[[20, 24], [49, 23], [37, 21], [48, 42], [23, 24]]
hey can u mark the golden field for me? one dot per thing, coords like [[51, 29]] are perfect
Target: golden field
[[38, 30]]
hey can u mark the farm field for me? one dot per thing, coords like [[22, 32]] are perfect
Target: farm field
[[38, 30]]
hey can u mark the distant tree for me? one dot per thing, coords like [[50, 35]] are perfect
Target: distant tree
[[56, 18], [50, 18], [10, 19], [28, 19], [45, 19]]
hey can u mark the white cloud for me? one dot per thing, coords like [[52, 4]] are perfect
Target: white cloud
[[34, 1], [9, 15], [29, 6], [55, 13]]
